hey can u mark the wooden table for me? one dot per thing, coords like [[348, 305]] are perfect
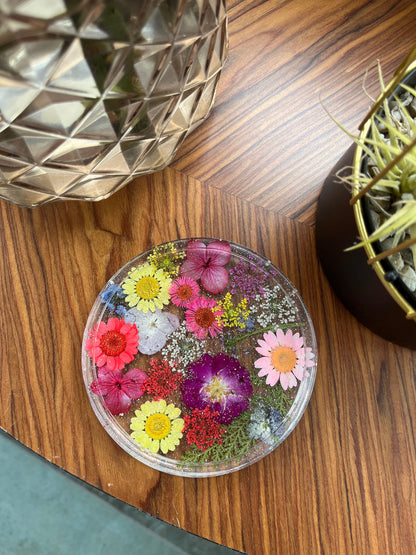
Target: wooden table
[[344, 481]]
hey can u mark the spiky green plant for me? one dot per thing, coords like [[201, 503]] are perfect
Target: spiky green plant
[[388, 145]]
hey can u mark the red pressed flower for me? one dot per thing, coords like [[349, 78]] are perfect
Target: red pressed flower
[[112, 344], [202, 428], [161, 380], [119, 390]]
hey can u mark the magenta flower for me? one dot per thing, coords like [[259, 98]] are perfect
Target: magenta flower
[[118, 390], [220, 383], [203, 318], [183, 291], [206, 262]]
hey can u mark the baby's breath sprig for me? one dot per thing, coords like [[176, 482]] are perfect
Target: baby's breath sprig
[[183, 348]]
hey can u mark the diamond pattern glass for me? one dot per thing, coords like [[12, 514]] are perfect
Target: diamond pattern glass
[[94, 93]]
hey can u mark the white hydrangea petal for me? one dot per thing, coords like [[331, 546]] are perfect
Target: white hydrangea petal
[[152, 344]]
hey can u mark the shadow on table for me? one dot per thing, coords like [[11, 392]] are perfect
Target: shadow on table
[[45, 511]]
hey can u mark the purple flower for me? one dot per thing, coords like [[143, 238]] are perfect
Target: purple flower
[[248, 278], [220, 383], [206, 262]]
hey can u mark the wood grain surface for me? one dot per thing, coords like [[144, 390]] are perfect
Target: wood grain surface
[[343, 482]]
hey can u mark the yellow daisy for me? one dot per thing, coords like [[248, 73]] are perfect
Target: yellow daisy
[[147, 288], [157, 426]]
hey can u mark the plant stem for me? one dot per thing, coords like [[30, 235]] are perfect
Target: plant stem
[[231, 342]]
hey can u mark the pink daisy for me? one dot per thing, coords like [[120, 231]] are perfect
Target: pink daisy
[[113, 344], [119, 390], [206, 262], [284, 358], [183, 291], [202, 318]]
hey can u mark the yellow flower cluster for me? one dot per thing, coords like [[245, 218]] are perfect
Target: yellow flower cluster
[[167, 258], [233, 316]]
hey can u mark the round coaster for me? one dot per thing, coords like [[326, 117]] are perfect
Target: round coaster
[[199, 357]]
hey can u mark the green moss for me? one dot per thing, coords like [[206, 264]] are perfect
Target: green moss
[[275, 396]]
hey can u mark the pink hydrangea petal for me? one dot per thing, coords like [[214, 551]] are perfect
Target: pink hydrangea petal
[[196, 250], [206, 263], [192, 268], [102, 371], [214, 279], [219, 252], [132, 383], [136, 374], [117, 401], [105, 383]]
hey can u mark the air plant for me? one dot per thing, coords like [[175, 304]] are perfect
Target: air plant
[[386, 172]]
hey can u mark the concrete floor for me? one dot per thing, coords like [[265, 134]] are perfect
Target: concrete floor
[[45, 511]]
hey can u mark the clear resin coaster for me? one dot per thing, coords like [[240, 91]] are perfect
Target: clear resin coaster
[[199, 357]]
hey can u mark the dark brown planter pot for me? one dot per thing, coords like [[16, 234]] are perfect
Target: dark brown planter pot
[[353, 280]]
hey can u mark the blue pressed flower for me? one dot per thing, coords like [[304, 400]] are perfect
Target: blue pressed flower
[[275, 418], [113, 295]]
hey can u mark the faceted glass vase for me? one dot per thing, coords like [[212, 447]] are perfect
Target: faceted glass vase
[[94, 92]]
